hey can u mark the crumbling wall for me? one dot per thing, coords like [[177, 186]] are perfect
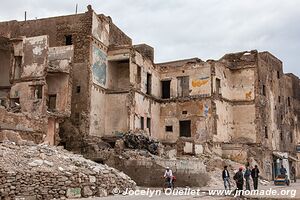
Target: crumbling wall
[[117, 113], [147, 67], [198, 111], [77, 28], [244, 124], [35, 61], [199, 74], [146, 108], [99, 66], [32, 128], [236, 84], [58, 84], [100, 28], [5, 57], [225, 125], [269, 100], [118, 37], [97, 113], [149, 172], [290, 125]]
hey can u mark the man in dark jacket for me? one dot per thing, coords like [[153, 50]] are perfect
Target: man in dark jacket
[[293, 170], [239, 179], [254, 175], [226, 178]]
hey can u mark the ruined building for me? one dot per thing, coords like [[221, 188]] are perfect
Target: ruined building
[[70, 78]]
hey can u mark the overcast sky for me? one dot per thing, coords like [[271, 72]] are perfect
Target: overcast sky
[[179, 29]]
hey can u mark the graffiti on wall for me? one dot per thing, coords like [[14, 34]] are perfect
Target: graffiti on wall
[[200, 81], [99, 66], [204, 109], [248, 95]]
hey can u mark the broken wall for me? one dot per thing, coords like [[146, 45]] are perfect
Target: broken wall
[[269, 100], [146, 67], [117, 113], [199, 112], [199, 78], [29, 128], [5, 57], [145, 108]]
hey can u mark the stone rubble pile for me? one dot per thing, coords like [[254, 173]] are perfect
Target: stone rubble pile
[[141, 141], [44, 172]]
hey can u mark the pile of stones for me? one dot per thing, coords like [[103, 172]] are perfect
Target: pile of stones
[[45, 172]]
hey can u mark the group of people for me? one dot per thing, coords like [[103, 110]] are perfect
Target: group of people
[[240, 176]]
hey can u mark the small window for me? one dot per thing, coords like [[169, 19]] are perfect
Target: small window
[[52, 102], [184, 112], [165, 87], [18, 67], [138, 75], [169, 128], [279, 99], [77, 118], [278, 74], [266, 132], [38, 91], [78, 89], [142, 123], [264, 90], [281, 117], [281, 135], [291, 137], [68, 39], [149, 124], [149, 83], [289, 101], [218, 86]]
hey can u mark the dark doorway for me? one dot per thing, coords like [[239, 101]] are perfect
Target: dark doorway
[[183, 86], [165, 89], [185, 128]]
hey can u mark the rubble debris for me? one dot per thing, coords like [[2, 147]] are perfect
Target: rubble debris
[[141, 141], [47, 172]]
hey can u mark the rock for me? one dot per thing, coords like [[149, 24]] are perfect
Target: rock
[[48, 163], [87, 192], [36, 163], [141, 141], [102, 192], [92, 179], [74, 192]]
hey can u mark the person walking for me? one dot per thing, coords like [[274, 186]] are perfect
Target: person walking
[[226, 178], [247, 177], [254, 175], [293, 170], [168, 177], [283, 170], [239, 179]]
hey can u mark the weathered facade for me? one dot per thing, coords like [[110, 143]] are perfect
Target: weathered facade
[[35, 87], [239, 106]]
